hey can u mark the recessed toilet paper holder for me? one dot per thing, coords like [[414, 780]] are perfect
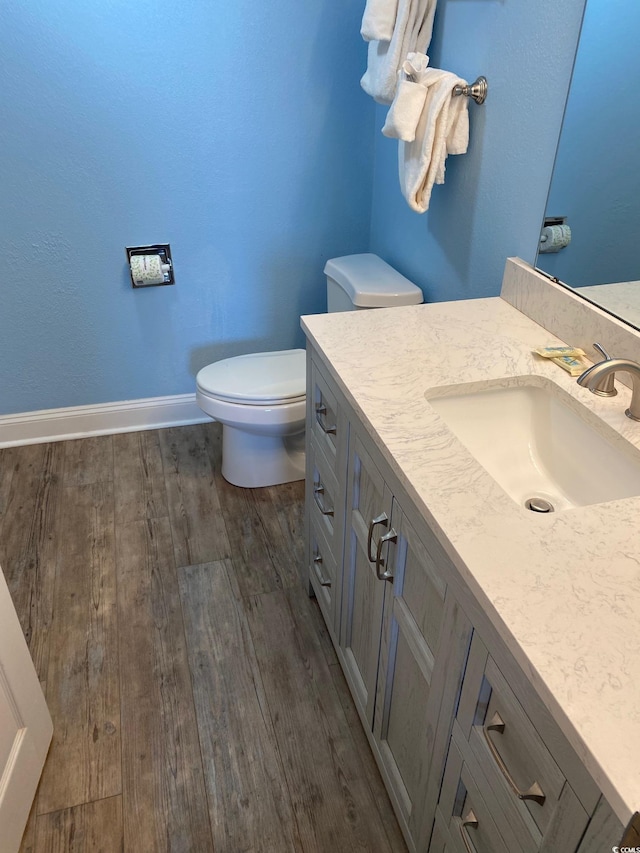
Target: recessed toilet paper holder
[[555, 235], [554, 220], [159, 255]]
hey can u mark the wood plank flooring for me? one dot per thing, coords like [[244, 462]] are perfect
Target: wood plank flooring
[[197, 701]]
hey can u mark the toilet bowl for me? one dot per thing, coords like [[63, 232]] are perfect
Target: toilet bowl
[[260, 401], [260, 398]]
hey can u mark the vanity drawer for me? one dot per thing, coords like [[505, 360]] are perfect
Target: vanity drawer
[[328, 426], [534, 798], [441, 839], [325, 505], [465, 810], [323, 573]]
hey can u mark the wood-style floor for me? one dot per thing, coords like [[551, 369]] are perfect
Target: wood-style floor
[[196, 698]]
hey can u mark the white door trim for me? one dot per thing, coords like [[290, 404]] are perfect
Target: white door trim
[[25, 723]]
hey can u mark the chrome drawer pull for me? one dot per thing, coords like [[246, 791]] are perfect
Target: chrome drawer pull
[[318, 562], [321, 411], [472, 821], [317, 492], [391, 536], [382, 519], [535, 792]]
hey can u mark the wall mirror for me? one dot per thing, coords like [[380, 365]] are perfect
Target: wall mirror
[[595, 186]]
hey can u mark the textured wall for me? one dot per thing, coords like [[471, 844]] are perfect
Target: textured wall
[[237, 132], [492, 203], [593, 184]]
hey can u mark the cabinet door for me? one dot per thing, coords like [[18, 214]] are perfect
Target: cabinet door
[[408, 701], [368, 518]]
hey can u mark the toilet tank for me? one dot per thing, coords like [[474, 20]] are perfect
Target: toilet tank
[[355, 282]]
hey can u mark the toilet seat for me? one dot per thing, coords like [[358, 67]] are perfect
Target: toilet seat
[[280, 419], [256, 379]]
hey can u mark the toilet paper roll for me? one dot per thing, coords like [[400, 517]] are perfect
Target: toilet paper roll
[[147, 269], [554, 238]]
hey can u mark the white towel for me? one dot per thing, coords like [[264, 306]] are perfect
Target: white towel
[[378, 20], [412, 32], [406, 109], [443, 129], [415, 64]]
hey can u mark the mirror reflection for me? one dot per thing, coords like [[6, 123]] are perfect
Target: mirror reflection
[[595, 188]]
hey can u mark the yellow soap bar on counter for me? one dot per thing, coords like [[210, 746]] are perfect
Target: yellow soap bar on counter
[[559, 352], [572, 365]]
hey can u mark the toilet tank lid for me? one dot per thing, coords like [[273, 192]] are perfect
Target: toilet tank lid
[[370, 282]]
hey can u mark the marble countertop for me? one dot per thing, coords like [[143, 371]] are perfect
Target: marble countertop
[[563, 590]]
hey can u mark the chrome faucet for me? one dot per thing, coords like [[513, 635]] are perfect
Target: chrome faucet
[[599, 379], [606, 387]]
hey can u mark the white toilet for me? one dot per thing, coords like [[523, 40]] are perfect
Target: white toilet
[[260, 398]]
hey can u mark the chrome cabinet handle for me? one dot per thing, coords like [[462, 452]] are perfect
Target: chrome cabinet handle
[[382, 519], [386, 575], [318, 562], [321, 411], [472, 821], [535, 792], [318, 491]]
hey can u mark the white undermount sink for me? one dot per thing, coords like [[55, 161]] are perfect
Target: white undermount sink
[[538, 442]]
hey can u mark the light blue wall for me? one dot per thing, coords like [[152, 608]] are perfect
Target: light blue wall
[[493, 200], [241, 136], [596, 182], [235, 131]]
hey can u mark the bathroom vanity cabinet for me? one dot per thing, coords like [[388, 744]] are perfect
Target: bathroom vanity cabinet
[[472, 759], [378, 577], [403, 639]]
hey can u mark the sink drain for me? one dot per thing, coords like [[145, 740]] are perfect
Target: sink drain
[[538, 505]]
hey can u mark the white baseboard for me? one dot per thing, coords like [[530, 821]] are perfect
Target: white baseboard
[[101, 419]]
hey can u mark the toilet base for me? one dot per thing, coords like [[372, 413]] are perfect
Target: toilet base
[[252, 461]]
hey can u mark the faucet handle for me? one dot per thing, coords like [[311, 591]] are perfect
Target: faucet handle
[[605, 388], [602, 351]]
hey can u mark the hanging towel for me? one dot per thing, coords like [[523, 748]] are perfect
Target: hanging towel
[[415, 64], [378, 20], [443, 129], [412, 32], [406, 109]]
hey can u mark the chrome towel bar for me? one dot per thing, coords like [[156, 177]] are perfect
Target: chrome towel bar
[[477, 90]]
